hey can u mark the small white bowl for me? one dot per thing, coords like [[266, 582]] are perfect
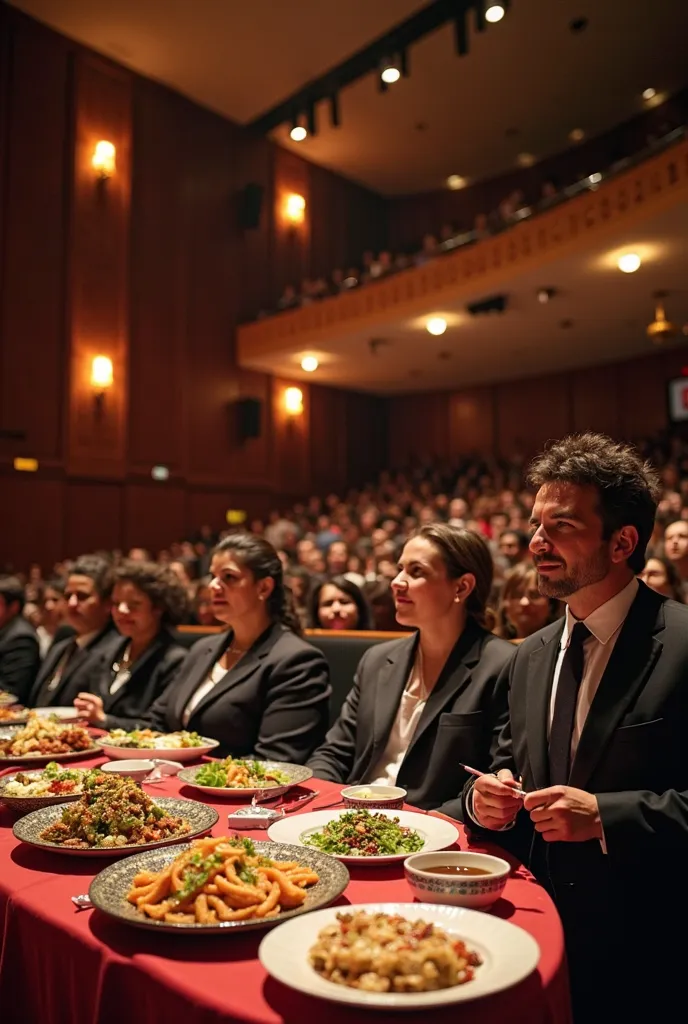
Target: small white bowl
[[137, 769], [388, 798], [456, 890]]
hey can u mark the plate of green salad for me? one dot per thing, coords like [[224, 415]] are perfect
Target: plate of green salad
[[376, 837], [178, 746], [240, 776]]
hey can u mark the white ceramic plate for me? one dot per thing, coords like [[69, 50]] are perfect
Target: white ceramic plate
[[509, 955], [436, 833], [297, 775], [183, 754], [65, 714]]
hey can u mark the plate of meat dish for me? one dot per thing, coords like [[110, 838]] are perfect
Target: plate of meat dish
[[42, 740]]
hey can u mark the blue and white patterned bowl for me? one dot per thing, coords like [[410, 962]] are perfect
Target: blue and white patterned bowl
[[456, 890]]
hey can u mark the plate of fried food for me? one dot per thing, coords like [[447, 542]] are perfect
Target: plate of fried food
[[42, 740], [114, 816], [13, 714], [178, 746], [399, 956], [218, 885], [26, 791], [242, 777], [370, 837]]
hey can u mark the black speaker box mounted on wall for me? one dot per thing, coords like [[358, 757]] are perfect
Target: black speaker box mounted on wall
[[248, 418], [250, 206]]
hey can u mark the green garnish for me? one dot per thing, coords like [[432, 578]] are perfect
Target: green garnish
[[362, 834], [259, 776]]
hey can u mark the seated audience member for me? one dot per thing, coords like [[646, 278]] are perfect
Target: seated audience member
[[147, 600], [421, 705], [258, 688], [676, 549], [203, 614], [288, 299], [53, 614], [661, 575], [597, 731], [19, 650], [339, 604], [298, 580], [68, 666], [513, 547], [337, 558], [522, 608], [380, 599]]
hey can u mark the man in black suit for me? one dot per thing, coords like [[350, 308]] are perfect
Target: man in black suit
[[71, 664], [19, 649], [597, 736]]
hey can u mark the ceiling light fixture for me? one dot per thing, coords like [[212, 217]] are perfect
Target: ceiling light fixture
[[660, 329], [436, 325], [390, 74], [629, 262], [298, 133], [494, 13], [577, 135], [649, 94], [309, 364], [545, 294], [455, 181]]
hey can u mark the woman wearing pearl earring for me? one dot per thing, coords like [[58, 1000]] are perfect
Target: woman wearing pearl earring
[[423, 705], [258, 688]]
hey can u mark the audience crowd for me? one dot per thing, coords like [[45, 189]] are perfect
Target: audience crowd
[[519, 205]]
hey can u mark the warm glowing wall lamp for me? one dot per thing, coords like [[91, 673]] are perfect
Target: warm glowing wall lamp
[[103, 159], [293, 401], [101, 373], [295, 208]]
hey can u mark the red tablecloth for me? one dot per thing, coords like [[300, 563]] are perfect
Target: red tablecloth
[[64, 966]]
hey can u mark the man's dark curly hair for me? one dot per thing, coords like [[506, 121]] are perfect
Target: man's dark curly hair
[[162, 586], [628, 488]]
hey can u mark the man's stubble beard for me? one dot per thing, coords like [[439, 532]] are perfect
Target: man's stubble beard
[[593, 571]]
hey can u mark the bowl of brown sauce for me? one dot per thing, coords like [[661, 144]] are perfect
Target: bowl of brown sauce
[[458, 878]]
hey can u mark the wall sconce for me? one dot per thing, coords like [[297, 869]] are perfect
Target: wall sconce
[[295, 208], [293, 401], [103, 159], [101, 379]]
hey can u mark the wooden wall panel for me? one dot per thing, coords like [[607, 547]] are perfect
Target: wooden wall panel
[[419, 427], [93, 518], [158, 414], [32, 251], [31, 522], [291, 451], [531, 412], [367, 435], [595, 400], [99, 271], [251, 458], [290, 243], [472, 422], [642, 396], [154, 516], [328, 435], [345, 220]]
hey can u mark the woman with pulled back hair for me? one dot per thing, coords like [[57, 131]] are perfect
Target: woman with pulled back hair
[[423, 705], [258, 688]]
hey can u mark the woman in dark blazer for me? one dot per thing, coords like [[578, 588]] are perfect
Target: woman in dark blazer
[[147, 599], [258, 688], [420, 706]]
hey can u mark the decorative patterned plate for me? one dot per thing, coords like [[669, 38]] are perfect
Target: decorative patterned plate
[[9, 731], [297, 773], [26, 804], [109, 889], [201, 818]]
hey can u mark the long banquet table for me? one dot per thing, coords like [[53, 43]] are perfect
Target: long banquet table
[[59, 965]]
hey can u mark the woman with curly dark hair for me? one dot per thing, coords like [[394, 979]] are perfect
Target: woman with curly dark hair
[[258, 688], [147, 600]]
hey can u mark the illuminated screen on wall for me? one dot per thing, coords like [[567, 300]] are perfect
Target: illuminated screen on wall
[[678, 399]]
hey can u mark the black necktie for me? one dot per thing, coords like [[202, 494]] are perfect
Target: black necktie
[[561, 729]]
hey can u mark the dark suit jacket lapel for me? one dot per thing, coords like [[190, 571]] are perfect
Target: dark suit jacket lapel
[[541, 665], [634, 656], [81, 654], [389, 687], [151, 651], [453, 678], [241, 670], [208, 655]]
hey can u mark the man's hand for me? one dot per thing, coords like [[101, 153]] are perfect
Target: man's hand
[[563, 814], [91, 707], [495, 804]]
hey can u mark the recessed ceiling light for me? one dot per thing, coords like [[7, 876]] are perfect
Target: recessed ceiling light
[[436, 325], [390, 74], [455, 181], [309, 364], [649, 94], [577, 135], [629, 262], [298, 133], [525, 159], [494, 13]]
